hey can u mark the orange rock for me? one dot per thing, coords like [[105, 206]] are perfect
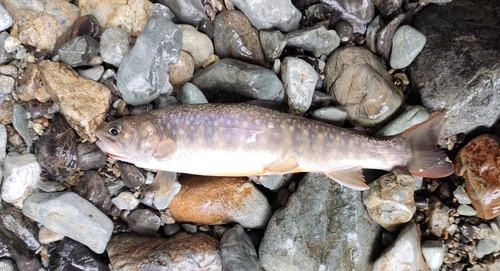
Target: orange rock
[[220, 200], [479, 163]]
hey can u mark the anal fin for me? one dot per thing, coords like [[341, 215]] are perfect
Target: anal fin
[[351, 177], [286, 165]]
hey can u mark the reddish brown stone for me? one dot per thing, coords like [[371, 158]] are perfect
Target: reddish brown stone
[[85, 25], [479, 163]]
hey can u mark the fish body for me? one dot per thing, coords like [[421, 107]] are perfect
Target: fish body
[[243, 140]]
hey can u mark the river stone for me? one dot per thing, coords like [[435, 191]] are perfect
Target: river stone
[[412, 116], [3, 143], [235, 37], [357, 80], [323, 226], [14, 248], [433, 251], [237, 251], [142, 74], [197, 44], [20, 123], [5, 19], [68, 214], [182, 251], [68, 255], [273, 43], [233, 78], [12, 219], [386, 33], [181, 72], [187, 11], [20, 178], [113, 45], [79, 51], [191, 94], [299, 79], [458, 71], [91, 186], [37, 29], [317, 40], [358, 13], [407, 42], [279, 14], [144, 222], [84, 103]]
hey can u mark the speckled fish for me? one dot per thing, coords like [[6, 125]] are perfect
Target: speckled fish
[[243, 140]]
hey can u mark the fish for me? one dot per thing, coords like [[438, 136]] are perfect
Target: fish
[[245, 140]]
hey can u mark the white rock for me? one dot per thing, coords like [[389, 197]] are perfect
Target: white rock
[[21, 177], [433, 253], [125, 201]]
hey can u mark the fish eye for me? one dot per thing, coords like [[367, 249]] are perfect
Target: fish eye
[[113, 130]]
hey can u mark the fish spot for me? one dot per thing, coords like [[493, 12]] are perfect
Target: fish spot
[[292, 128], [168, 126], [330, 136], [270, 125]]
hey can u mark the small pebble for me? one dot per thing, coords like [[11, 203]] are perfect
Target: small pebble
[[344, 30], [466, 210], [406, 45], [191, 228], [485, 247], [144, 222], [433, 252], [125, 201], [171, 229], [191, 94], [461, 195], [330, 114]]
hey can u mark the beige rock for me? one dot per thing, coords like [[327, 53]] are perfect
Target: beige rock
[[130, 15], [197, 44], [181, 72], [39, 30], [220, 200], [358, 81], [182, 251], [390, 200], [65, 12], [30, 85], [84, 103], [6, 110]]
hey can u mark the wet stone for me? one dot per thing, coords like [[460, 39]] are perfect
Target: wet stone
[[85, 25], [233, 78], [272, 42], [330, 114], [91, 187], [317, 40], [68, 254], [344, 30], [13, 220], [56, 150], [171, 229], [358, 13], [406, 45], [142, 74], [412, 116], [79, 51], [191, 94], [113, 45], [162, 10], [485, 247], [466, 210], [299, 79], [13, 248], [467, 231], [187, 11], [89, 156], [280, 14], [237, 251], [461, 195], [385, 35], [132, 176], [20, 123], [144, 222], [190, 228], [236, 38]]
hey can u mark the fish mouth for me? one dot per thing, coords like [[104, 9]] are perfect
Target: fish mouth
[[114, 155], [106, 146]]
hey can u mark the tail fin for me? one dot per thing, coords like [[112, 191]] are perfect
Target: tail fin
[[427, 159]]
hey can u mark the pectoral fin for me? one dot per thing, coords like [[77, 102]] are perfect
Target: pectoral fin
[[287, 165], [351, 177], [165, 149]]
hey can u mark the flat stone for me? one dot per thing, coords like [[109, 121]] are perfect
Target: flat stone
[[187, 11], [68, 214], [461, 195], [197, 44], [404, 254], [182, 251], [84, 111], [477, 162], [407, 43], [86, 25], [299, 79], [390, 199], [113, 45], [131, 15], [237, 251], [438, 219], [142, 74], [12, 219], [357, 80], [231, 77], [466, 210], [330, 114], [20, 178], [317, 40], [235, 37], [220, 200], [144, 222], [412, 116], [79, 51], [280, 14], [39, 30], [456, 70], [322, 227]]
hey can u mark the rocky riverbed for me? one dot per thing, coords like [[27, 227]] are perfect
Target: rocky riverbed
[[377, 67]]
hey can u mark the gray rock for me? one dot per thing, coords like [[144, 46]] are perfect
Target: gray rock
[[235, 37], [115, 187], [456, 71], [171, 229], [317, 40], [197, 44], [79, 51], [358, 13], [187, 11], [4, 56], [272, 182], [438, 219], [113, 45], [190, 228], [461, 195], [89, 156], [412, 116], [272, 42], [388, 7], [12, 219], [344, 30], [433, 252], [165, 101], [5, 19], [125, 201], [131, 175], [299, 79], [385, 34], [280, 14], [466, 210], [91, 187], [236, 78], [93, 73], [70, 255], [20, 123], [13, 248], [237, 251], [3, 143], [7, 84], [144, 222], [48, 186], [162, 10], [330, 114], [404, 254], [142, 74], [322, 227], [357, 80], [390, 200], [485, 247], [68, 214], [7, 265], [406, 45], [21, 177], [191, 94]]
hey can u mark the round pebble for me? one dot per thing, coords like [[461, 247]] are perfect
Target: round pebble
[[466, 210]]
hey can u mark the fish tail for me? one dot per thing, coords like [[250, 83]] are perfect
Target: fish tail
[[427, 160]]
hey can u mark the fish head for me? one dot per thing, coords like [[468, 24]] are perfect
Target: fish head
[[131, 139]]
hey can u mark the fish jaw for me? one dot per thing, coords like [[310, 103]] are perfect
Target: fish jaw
[[109, 146]]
